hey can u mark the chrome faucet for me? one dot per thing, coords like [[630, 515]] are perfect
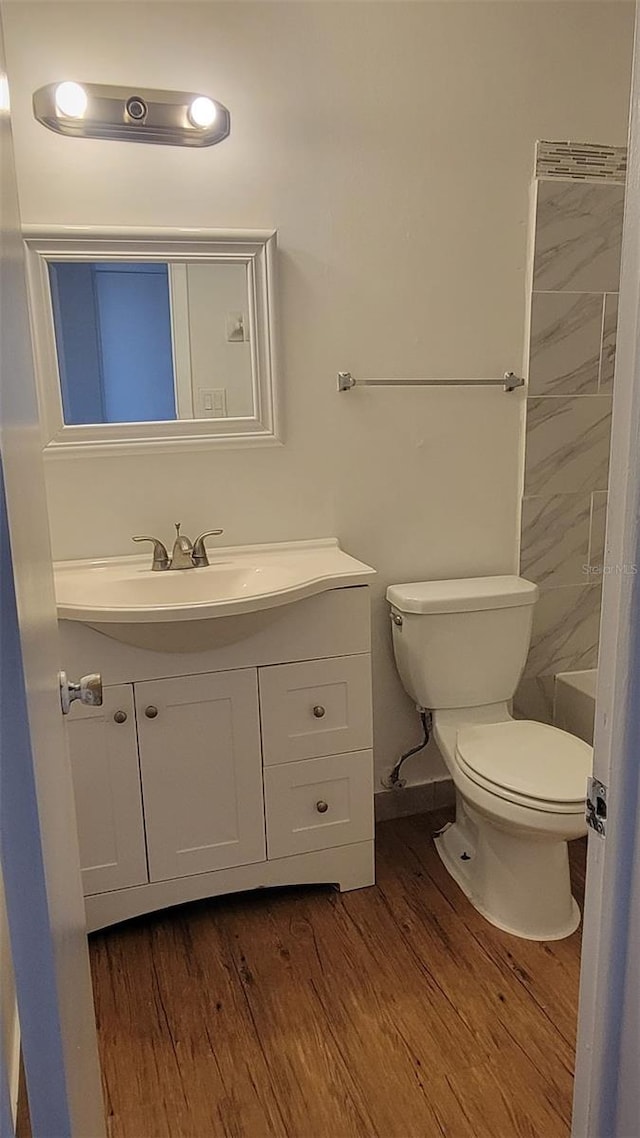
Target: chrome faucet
[[184, 555], [182, 552]]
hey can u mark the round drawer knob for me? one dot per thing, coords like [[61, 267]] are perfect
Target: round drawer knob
[[322, 807], [120, 717], [151, 711], [319, 711]]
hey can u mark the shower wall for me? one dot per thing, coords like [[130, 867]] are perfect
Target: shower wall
[[578, 203]]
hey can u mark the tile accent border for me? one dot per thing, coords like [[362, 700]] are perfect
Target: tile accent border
[[581, 161]]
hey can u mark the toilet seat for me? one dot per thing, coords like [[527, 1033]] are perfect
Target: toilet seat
[[528, 763]]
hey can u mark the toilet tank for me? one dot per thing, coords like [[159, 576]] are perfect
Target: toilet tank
[[462, 643]]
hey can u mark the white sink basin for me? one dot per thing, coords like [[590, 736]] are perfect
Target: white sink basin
[[119, 590], [115, 594]]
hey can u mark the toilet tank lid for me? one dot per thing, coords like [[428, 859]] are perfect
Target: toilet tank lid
[[468, 594]]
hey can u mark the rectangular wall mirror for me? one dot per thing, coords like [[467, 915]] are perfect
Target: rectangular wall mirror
[[153, 339]]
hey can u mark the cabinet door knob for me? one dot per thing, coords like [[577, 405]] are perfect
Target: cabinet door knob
[[322, 806], [319, 711], [120, 717], [151, 711]]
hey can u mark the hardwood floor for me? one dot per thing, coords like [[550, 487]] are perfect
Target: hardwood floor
[[23, 1121], [390, 1012]]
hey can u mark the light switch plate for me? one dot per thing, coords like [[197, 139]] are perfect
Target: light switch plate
[[212, 402]]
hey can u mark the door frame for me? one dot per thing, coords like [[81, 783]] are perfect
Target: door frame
[[38, 842], [607, 1090], [606, 1093]]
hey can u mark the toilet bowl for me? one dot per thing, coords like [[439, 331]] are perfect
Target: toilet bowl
[[460, 648]]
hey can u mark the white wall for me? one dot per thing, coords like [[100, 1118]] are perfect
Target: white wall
[[391, 145]]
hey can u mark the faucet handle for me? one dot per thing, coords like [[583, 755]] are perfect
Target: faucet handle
[[160, 555], [199, 554]]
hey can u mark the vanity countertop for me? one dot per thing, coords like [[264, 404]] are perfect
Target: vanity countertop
[[239, 579]]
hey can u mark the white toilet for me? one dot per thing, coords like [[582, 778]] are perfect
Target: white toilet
[[460, 648]]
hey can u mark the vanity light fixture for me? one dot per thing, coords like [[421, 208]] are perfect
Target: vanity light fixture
[[91, 110]]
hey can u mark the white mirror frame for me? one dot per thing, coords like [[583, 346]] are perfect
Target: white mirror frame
[[253, 248]]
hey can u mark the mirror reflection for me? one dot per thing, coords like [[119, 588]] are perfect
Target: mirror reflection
[[151, 341]]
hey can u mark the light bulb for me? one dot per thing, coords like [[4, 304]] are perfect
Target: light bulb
[[203, 111], [5, 102], [71, 100]]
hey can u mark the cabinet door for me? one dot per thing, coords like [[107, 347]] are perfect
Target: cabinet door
[[319, 803], [319, 707], [201, 772], [106, 783]]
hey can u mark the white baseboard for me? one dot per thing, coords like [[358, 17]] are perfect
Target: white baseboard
[[419, 798]]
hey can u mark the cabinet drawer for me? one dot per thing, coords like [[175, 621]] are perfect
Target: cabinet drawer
[[319, 803], [319, 707]]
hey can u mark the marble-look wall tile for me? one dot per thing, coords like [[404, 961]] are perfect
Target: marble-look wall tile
[[609, 333], [574, 708], [598, 529], [566, 334], [566, 626], [578, 237], [555, 539], [567, 444], [534, 699]]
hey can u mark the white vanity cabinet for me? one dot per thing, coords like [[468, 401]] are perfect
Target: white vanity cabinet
[[236, 767]]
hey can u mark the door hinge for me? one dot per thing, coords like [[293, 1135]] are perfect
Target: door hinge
[[597, 806]]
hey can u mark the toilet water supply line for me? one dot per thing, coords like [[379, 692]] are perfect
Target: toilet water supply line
[[393, 780]]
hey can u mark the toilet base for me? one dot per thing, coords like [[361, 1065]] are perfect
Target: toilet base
[[518, 883]]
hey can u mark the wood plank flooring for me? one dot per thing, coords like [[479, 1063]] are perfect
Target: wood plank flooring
[[390, 1012]]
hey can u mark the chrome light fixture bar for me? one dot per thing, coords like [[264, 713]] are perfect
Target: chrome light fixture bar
[[131, 114]]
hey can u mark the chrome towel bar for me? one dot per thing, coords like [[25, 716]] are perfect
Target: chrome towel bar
[[509, 382]]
